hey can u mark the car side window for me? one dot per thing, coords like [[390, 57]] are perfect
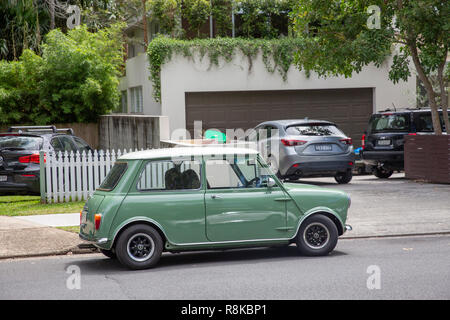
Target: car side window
[[67, 144], [240, 172], [170, 175], [81, 145], [56, 144]]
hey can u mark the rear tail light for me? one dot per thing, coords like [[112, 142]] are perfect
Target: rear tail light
[[33, 158], [412, 134], [292, 143], [347, 141], [363, 141], [98, 220]]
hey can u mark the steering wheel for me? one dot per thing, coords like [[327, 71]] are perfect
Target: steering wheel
[[255, 182]]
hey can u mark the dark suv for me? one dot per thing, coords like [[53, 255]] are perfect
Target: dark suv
[[383, 141], [19, 154]]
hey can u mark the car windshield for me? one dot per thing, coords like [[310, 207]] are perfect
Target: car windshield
[[20, 142], [314, 130], [389, 122]]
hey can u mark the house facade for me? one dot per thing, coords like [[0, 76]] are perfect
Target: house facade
[[232, 95]]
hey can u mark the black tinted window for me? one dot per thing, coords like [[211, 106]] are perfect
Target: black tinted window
[[389, 122], [314, 130], [81, 145], [423, 122], [22, 142], [114, 176]]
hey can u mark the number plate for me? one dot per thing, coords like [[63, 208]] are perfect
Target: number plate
[[3, 178], [324, 147], [384, 142]]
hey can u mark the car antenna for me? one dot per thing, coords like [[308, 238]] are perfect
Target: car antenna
[[394, 107]]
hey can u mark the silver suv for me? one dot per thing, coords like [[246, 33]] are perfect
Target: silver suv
[[306, 148]]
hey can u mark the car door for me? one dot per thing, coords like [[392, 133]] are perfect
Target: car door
[[239, 205]]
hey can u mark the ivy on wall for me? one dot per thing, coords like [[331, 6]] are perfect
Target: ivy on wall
[[277, 54]]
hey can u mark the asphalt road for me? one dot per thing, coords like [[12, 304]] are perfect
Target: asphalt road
[[395, 268]]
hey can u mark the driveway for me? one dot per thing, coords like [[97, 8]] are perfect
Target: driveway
[[394, 206]]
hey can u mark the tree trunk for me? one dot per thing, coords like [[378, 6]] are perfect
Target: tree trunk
[[51, 6], [144, 21], [444, 98], [429, 89]]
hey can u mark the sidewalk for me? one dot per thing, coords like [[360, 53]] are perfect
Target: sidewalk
[[21, 238], [380, 208]]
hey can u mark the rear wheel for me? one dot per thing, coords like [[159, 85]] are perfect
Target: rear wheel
[[382, 173], [139, 247], [317, 236], [343, 177]]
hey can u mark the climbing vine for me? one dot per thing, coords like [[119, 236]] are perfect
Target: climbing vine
[[277, 54]]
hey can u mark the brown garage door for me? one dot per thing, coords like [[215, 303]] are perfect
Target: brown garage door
[[350, 109]]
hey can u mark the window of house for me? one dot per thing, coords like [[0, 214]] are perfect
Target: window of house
[[170, 175], [136, 100]]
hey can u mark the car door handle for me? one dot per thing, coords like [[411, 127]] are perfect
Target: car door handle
[[216, 197]]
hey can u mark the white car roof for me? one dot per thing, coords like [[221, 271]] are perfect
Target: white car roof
[[186, 151]]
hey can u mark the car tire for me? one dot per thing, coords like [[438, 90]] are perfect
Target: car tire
[[109, 253], [139, 247], [317, 236], [382, 173], [343, 177]]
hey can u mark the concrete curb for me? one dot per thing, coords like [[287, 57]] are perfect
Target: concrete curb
[[76, 250]]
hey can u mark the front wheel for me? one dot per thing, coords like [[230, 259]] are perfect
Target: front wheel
[[139, 247], [317, 236], [382, 173], [343, 177]]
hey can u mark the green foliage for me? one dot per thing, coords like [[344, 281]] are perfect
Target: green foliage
[[277, 54], [220, 11], [165, 12], [75, 80], [197, 13], [259, 17]]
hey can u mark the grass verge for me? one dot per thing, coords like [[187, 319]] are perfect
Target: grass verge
[[31, 205], [74, 229]]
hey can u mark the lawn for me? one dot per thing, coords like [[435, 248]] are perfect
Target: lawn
[[31, 205]]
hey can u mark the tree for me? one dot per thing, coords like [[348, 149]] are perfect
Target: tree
[[196, 12], [75, 79], [166, 12], [344, 36]]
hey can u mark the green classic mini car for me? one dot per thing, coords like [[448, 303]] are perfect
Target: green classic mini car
[[203, 198]]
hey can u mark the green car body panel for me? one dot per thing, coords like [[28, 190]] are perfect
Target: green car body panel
[[209, 218]]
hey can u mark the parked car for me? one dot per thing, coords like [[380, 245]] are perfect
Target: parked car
[[204, 198], [307, 148], [19, 154], [383, 142]]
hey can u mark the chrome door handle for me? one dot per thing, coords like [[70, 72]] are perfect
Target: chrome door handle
[[216, 197]]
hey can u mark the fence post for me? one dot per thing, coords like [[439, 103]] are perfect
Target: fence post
[[42, 176]]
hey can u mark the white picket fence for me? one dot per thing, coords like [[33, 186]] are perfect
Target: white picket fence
[[74, 176]]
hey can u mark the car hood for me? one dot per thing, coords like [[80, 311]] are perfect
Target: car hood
[[311, 198]]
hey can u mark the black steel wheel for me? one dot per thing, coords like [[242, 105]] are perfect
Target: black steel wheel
[[139, 247], [317, 236]]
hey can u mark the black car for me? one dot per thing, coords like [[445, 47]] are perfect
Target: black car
[[19, 154], [383, 141]]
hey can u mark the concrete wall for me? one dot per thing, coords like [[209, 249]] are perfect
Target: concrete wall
[[132, 131], [181, 75]]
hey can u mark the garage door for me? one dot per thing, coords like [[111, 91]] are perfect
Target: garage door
[[350, 109]]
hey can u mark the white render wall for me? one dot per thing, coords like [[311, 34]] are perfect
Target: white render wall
[[137, 74], [182, 75]]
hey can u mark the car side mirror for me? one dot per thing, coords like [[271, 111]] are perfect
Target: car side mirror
[[271, 183]]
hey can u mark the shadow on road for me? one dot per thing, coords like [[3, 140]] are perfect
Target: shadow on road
[[176, 261]]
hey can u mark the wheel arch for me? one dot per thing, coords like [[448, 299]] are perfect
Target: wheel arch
[[332, 216], [137, 221]]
